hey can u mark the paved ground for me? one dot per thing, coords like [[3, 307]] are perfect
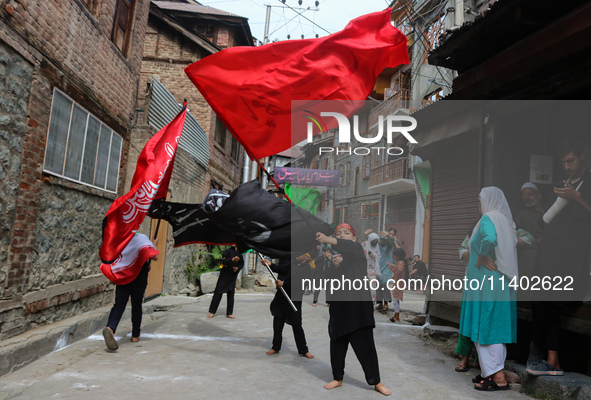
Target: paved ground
[[184, 355]]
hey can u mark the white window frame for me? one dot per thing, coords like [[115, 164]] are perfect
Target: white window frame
[[100, 129]]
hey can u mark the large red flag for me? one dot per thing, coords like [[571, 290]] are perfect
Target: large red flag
[[150, 182], [251, 88]]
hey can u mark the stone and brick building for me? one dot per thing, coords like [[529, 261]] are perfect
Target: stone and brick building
[[178, 34], [69, 75]]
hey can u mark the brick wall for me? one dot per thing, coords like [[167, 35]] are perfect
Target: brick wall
[[51, 235]]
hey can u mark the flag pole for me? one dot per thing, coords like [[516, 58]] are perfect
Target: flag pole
[[281, 287], [272, 179]]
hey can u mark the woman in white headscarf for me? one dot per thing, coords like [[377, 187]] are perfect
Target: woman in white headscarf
[[373, 255], [489, 313]]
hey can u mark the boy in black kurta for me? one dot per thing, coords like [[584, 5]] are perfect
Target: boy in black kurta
[[283, 312], [232, 262], [351, 313]]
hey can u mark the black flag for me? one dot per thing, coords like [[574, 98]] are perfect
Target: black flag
[[256, 219]]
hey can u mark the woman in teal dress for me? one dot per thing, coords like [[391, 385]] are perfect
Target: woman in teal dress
[[489, 314]]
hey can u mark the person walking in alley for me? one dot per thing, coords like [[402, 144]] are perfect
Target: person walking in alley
[[351, 314], [130, 275], [387, 244], [373, 255], [232, 263], [397, 267], [489, 313]]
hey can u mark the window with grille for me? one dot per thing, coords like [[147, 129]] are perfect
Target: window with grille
[[356, 181], [345, 214], [80, 147], [341, 175], [123, 25]]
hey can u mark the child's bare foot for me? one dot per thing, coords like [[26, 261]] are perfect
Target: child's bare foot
[[230, 316], [382, 389], [313, 304], [210, 315], [334, 384], [135, 339], [308, 355], [271, 352]]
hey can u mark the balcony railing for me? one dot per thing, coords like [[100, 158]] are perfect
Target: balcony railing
[[399, 99], [389, 172]]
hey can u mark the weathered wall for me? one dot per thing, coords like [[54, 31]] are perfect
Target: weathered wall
[[51, 227], [15, 83]]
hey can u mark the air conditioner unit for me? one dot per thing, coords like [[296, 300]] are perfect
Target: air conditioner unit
[[388, 92]]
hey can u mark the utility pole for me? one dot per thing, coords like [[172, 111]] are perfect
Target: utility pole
[[268, 16]]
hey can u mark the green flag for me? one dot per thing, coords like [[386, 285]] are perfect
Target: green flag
[[306, 198]]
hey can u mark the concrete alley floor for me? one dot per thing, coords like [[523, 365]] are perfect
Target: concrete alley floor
[[184, 355]]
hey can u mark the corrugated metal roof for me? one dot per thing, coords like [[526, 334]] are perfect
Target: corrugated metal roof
[[163, 109], [193, 8]]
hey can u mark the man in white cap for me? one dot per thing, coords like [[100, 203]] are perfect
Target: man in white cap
[[529, 217], [530, 225]]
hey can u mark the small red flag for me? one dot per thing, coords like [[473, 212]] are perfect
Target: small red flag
[[150, 182], [251, 88]]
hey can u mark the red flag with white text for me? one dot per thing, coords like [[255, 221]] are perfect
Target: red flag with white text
[[129, 263], [251, 88], [150, 182]]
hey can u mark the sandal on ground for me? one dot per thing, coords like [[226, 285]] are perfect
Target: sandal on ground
[[385, 307], [379, 307], [489, 385], [135, 339], [464, 368], [110, 339], [392, 320], [477, 379]]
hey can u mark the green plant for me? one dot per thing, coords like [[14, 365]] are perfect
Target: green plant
[[202, 261]]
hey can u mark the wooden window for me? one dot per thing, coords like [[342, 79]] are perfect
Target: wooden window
[[220, 133], [348, 173], [342, 175], [324, 163], [323, 200], [377, 158], [336, 218], [123, 25], [366, 166], [370, 210], [80, 147], [356, 181], [346, 214], [92, 5], [433, 97]]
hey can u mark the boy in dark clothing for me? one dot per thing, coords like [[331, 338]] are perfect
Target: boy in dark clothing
[[283, 312], [232, 262], [351, 322]]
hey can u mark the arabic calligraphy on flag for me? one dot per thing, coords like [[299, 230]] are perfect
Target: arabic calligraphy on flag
[[307, 177]]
